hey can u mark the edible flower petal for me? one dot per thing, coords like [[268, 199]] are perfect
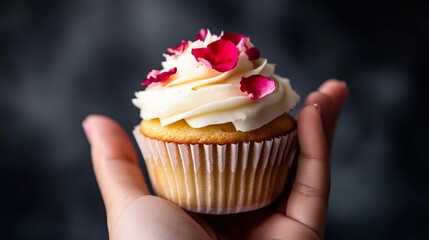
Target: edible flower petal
[[239, 40], [243, 44], [233, 37], [257, 86], [178, 49], [202, 34], [221, 55], [253, 53], [158, 76]]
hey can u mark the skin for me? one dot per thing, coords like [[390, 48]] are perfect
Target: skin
[[132, 213]]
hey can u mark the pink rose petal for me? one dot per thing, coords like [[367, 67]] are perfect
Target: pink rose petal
[[257, 86], [233, 37], [158, 76], [221, 55], [239, 40], [178, 49], [243, 44], [205, 62], [201, 35], [253, 53]]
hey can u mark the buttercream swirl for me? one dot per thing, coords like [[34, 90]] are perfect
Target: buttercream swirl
[[203, 96]]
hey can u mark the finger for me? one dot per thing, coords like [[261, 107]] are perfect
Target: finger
[[308, 199], [331, 96], [337, 91], [325, 102], [115, 163]]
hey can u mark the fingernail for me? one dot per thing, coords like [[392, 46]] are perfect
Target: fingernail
[[87, 129], [345, 87], [317, 106]]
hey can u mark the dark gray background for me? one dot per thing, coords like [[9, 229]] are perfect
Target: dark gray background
[[63, 60]]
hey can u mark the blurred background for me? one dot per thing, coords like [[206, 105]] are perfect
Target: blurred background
[[63, 60]]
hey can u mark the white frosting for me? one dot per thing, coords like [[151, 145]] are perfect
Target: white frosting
[[203, 96]]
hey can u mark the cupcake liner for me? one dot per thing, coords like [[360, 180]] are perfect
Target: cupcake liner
[[218, 179]]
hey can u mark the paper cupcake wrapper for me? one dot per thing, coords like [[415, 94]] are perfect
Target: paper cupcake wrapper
[[218, 179]]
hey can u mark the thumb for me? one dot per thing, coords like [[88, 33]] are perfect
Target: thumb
[[115, 163]]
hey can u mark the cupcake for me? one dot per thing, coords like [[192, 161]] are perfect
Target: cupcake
[[216, 134]]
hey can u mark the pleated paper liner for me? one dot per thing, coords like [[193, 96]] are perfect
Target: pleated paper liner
[[218, 179]]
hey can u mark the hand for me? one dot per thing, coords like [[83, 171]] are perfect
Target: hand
[[132, 213]]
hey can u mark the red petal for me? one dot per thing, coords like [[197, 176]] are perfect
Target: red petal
[[253, 53], [257, 86], [158, 76], [201, 35], [179, 48], [221, 55], [153, 73], [239, 40], [233, 37], [205, 62]]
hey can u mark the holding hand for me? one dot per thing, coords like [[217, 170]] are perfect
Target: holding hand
[[132, 213]]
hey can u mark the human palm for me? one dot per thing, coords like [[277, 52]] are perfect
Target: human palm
[[300, 213]]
